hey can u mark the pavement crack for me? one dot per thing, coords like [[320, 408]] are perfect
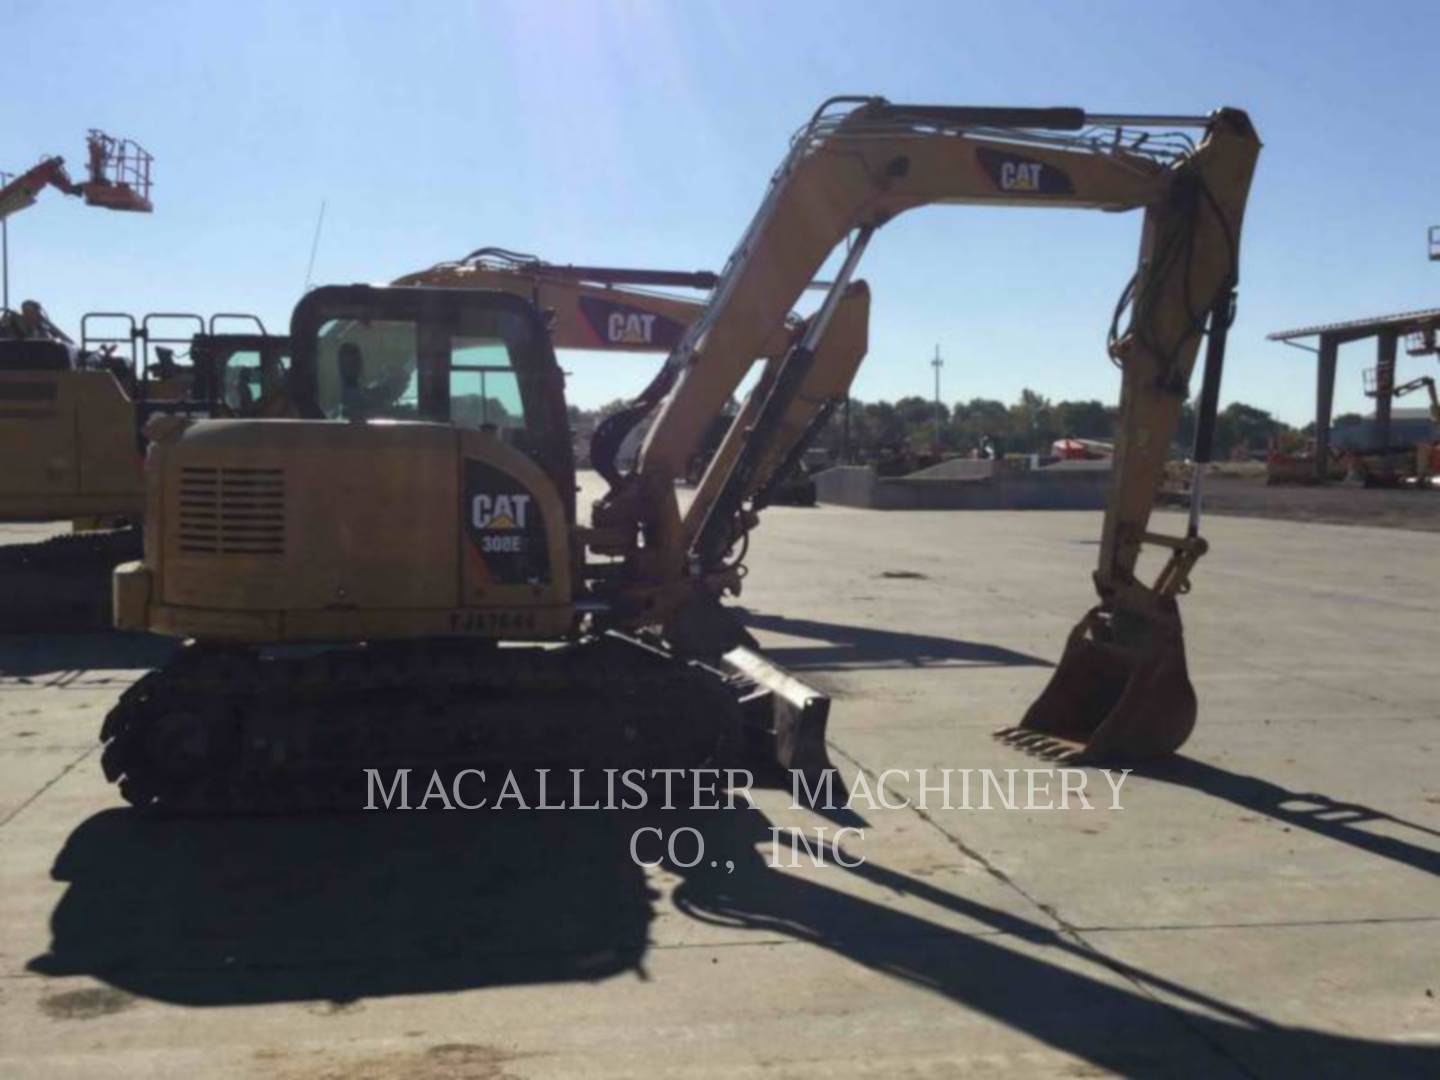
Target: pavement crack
[[1143, 983], [1284, 924], [958, 844], [46, 786]]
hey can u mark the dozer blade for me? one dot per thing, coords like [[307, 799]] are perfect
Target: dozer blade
[[1121, 693], [784, 717]]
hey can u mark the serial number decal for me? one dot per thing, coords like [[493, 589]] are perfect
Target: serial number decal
[[491, 622]]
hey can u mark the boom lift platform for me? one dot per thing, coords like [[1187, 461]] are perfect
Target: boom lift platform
[[117, 178]]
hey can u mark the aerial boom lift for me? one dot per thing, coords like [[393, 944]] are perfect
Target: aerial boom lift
[[118, 178]]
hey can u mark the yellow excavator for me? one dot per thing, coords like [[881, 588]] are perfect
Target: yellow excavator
[[401, 578]]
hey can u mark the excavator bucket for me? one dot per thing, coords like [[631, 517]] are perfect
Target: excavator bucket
[[1121, 693]]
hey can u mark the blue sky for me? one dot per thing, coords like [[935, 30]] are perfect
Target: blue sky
[[643, 134]]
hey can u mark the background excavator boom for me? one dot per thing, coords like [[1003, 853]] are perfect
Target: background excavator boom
[[618, 309], [586, 305]]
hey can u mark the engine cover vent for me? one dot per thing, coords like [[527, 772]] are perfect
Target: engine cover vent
[[232, 511]]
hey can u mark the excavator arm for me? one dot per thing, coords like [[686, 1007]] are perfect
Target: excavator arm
[[855, 166]]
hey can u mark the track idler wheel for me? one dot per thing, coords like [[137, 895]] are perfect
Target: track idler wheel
[[1121, 693]]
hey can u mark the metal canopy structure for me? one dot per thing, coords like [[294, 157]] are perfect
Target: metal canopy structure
[[1362, 328], [1420, 329]]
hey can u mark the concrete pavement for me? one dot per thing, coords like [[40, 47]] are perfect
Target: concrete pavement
[[1268, 904]]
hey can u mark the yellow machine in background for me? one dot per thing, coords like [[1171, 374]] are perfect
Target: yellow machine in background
[[71, 438], [420, 521], [71, 431], [67, 436]]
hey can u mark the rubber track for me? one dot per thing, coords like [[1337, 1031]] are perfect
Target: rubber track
[[231, 732], [63, 584]]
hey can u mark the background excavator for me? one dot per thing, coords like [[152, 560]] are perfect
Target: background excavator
[[71, 437], [431, 557]]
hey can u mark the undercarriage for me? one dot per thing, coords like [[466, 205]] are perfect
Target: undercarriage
[[241, 731]]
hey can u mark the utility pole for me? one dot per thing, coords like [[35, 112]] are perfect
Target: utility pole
[[937, 364], [5, 178]]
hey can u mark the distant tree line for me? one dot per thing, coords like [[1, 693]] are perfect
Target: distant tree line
[[1029, 425]]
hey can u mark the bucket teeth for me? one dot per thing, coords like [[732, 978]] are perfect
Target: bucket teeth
[[1039, 744], [1121, 692]]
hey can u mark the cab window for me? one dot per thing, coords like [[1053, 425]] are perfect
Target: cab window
[[484, 389], [246, 382], [367, 370]]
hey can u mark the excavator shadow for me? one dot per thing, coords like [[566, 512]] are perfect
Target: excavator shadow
[[1340, 821], [858, 647], [28, 656], [1335, 820], [340, 907], [208, 913]]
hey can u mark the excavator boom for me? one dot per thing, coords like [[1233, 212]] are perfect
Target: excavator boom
[[855, 166]]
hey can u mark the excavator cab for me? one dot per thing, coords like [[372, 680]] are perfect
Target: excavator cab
[[472, 359], [242, 372]]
